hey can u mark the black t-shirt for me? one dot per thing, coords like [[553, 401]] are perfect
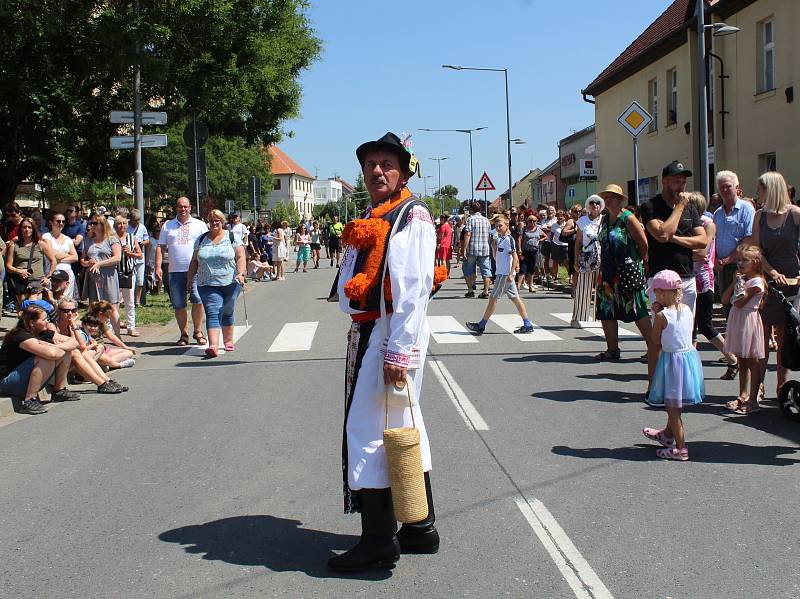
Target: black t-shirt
[[11, 354], [668, 255]]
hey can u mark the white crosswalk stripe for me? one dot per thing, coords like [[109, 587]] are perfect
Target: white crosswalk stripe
[[446, 329], [593, 326], [199, 350], [294, 336], [510, 322]]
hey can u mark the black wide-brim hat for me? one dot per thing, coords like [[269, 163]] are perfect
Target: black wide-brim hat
[[391, 143]]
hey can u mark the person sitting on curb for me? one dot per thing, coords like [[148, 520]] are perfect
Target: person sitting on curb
[[33, 297], [84, 358], [507, 262], [120, 356], [32, 355]]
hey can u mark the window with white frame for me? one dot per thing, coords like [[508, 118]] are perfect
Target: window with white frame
[[652, 103], [766, 57], [767, 162], [672, 98]]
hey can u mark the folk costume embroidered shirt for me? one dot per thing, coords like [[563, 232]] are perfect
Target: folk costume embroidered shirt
[[410, 256]]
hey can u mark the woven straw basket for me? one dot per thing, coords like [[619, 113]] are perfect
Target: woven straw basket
[[405, 469]]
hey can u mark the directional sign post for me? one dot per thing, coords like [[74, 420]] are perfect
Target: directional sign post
[[126, 142], [634, 120], [148, 118], [137, 141], [485, 184]]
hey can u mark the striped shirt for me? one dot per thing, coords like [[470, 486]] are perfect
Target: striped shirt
[[478, 228]]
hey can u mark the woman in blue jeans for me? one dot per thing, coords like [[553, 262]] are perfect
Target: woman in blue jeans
[[219, 262]]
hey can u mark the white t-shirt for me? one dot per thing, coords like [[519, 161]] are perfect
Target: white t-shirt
[[504, 257], [240, 231], [590, 229], [141, 235], [179, 239]]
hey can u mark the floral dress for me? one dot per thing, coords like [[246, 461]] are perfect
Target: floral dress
[[616, 245]]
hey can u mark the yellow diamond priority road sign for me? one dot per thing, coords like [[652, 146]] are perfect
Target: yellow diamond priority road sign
[[635, 119]]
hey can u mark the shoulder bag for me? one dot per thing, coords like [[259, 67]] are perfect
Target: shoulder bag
[[18, 284], [126, 269]]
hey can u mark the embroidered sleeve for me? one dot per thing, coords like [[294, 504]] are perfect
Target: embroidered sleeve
[[411, 260]]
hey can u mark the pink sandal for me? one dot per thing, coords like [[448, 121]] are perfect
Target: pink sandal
[[673, 453], [211, 352], [658, 436], [229, 346]]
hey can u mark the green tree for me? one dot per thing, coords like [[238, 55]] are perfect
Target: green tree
[[450, 191], [66, 63], [281, 212], [230, 163]]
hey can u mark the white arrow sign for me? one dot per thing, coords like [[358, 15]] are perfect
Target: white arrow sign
[[125, 142], [148, 118]]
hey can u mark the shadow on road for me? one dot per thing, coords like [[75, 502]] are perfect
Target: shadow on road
[[615, 376], [278, 544], [606, 396], [701, 451]]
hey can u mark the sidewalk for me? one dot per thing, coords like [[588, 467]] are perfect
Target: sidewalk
[[150, 334]]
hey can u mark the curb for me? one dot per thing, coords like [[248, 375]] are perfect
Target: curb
[[6, 407]]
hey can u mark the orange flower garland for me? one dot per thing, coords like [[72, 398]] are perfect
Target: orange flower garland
[[369, 234], [365, 234]]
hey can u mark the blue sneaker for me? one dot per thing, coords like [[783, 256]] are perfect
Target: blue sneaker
[[526, 328], [476, 327]]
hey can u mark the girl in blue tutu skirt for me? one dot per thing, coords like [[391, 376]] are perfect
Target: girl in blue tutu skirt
[[678, 378]]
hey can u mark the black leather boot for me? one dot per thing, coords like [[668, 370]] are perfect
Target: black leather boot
[[422, 536], [378, 547]]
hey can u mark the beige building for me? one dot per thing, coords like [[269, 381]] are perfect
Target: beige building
[[753, 125], [292, 184]]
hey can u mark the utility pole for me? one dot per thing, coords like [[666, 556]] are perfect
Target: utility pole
[[138, 176]]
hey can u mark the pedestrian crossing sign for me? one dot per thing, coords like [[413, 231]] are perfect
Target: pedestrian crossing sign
[[634, 119], [485, 183]]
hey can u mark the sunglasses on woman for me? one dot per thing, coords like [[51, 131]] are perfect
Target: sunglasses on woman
[[69, 310]]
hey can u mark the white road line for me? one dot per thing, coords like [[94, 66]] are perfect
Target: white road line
[[199, 350], [464, 407], [446, 329], [593, 326], [580, 576], [294, 336], [509, 322]]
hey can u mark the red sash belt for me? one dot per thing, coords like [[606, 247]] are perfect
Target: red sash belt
[[367, 316]]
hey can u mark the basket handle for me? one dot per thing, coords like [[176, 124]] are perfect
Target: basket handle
[[410, 403]]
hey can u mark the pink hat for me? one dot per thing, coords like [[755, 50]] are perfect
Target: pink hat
[[667, 279]]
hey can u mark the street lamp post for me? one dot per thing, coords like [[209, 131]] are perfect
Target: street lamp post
[[425, 183], [508, 117], [439, 191], [471, 167], [719, 30]]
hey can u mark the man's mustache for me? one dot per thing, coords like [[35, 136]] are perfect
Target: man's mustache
[[379, 180]]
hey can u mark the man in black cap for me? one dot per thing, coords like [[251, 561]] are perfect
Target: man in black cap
[[386, 349], [674, 230]]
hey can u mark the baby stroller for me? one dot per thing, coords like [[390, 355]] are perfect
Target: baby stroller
[[789, 397]]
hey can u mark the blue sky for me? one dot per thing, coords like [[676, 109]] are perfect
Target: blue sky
[[381, 71]]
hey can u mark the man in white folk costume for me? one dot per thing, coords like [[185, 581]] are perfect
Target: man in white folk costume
[[397, 236]]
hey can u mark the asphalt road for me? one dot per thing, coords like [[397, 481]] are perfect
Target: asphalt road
[[221, 478]]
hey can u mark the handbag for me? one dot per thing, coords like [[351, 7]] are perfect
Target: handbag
[[406, 479], [17, 283], [125, 271], [631, 277], [589, 259]]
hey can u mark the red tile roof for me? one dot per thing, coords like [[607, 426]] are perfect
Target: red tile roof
[[660, 35], [283, 165]]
